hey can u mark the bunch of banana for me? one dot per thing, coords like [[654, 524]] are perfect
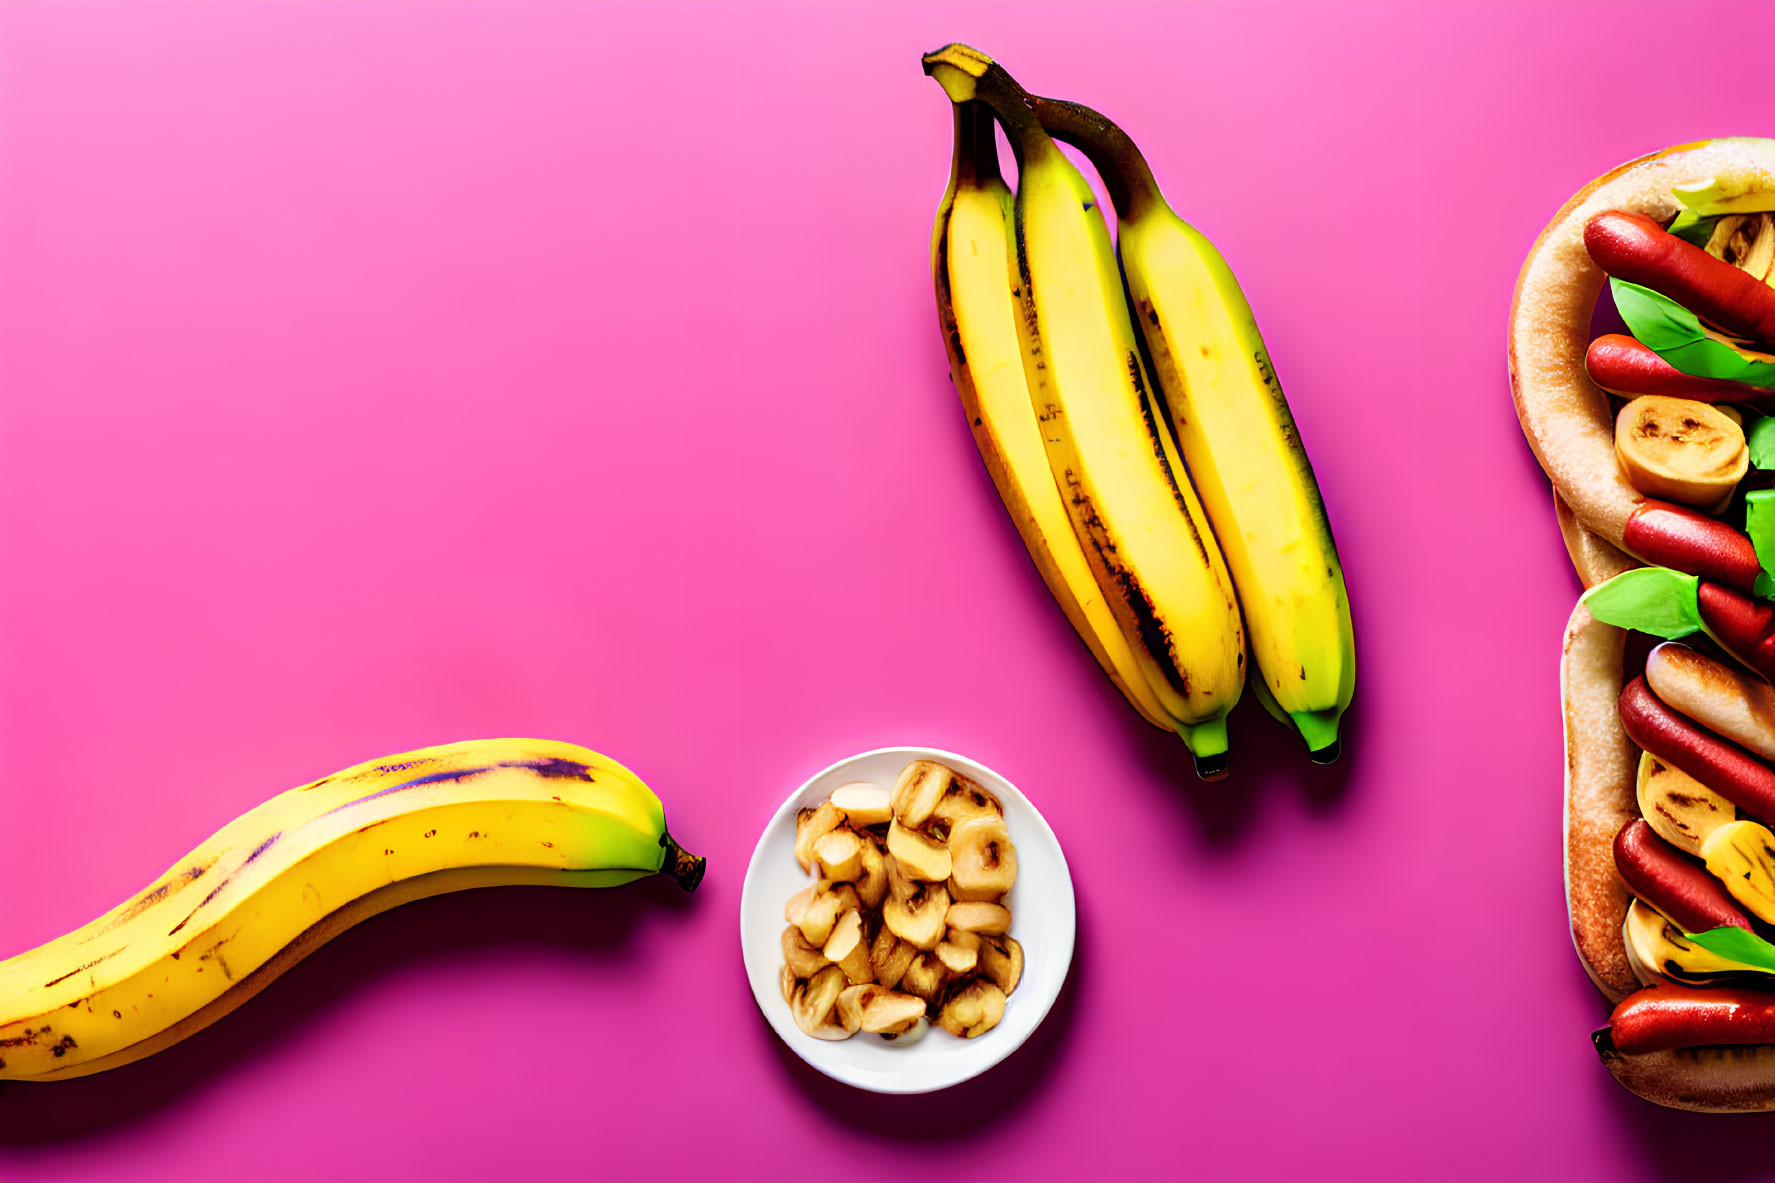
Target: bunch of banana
[[279, 881], [1060, 392]]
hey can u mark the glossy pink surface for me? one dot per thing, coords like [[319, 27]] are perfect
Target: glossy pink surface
[[374, 375]]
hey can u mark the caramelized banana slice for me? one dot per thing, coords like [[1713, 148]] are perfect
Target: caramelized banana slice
[[1658, 951], [1001, 962], [918, 856], [973, 1009], [821, 913], [804, 960], [924, 977], [848, 950], [1680, 450], [872, 882], [973, 916], [815, 1002], [889, 956], [908, 1035], [786, 982], [1741, 855], [919, 919], [863, 804], [1680, 809], [983, 861], [966, 800], [876, 1009], [920, 786], [796, 905], [810, 826], [959, 952], [839, 854]]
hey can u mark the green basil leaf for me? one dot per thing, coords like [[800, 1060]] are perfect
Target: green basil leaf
[[1759, 523], [1764, 587], [1653, 600], [1738, 944], [1759, 437], [1674, 334], [1693, 228]]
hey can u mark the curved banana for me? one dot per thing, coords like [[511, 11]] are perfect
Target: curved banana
[[1237, 435], [1132, 508], [279, 881], [971, 268]]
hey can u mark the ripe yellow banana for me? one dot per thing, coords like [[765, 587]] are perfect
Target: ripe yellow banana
[[1142, 529], [1237, 435], [279, 881], [972, 269]]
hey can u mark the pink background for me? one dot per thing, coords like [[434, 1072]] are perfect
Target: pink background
[[375, 375]]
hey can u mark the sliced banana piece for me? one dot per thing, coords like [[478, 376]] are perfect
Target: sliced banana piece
[[816, 1002], [909, 1035], [863, 804], [965, 800], [889, 956], [924, 977], [847, 949], [1741, 855], [872, 883], [1680, 450], [876, 1009], [974, 916], [983, 862], [839, 855], [918, 856], [810, 826], [801, 958], [1680, 809], [973, 1009], [920, 918], [1001, 962], [920, 785], [1658, 951]]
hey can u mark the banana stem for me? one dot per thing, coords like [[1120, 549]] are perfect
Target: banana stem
[[976, 150], [1126, 176], [686, 868]]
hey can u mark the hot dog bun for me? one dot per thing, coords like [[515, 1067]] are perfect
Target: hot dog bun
[[1595, 560], [1600, 763], [1599, 801], [1702, 1079], [1563, 413]]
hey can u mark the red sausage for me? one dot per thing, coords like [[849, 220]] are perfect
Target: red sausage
[[1746, 627], [1722, 766], [1665, 1017], [1635, 248], [1667, 535], [1621, 365], [1659, 874]]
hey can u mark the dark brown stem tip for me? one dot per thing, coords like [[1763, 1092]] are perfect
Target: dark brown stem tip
[[1212, 767], [686, 868]]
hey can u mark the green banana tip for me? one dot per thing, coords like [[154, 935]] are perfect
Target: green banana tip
[[1207, 742], [685, 868]]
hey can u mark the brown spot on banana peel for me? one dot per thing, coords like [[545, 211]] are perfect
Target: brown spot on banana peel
[[1682, 539], [1723, 767]]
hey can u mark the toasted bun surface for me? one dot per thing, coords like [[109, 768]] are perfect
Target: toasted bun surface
[[1702, 1079], [1595, 559], [1600, 763], [1564, 415]]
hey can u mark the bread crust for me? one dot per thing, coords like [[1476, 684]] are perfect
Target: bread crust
[[1565, 415]]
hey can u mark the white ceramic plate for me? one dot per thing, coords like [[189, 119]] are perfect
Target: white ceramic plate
[[1043, 920]]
